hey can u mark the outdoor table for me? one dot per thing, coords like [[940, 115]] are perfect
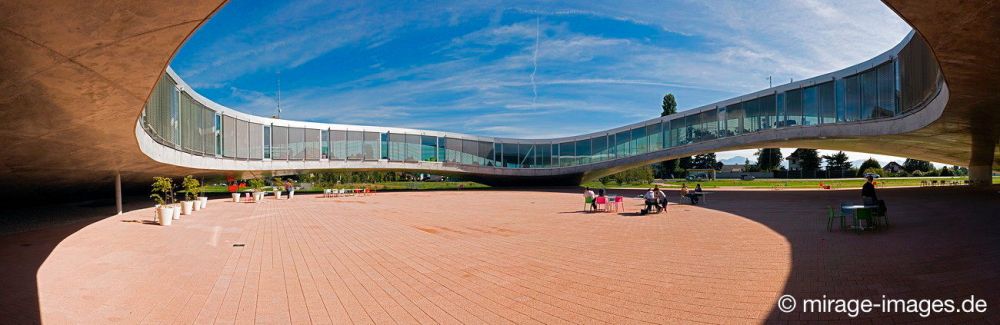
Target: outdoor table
[[854, 213]]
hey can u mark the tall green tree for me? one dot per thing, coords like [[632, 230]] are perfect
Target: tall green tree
[[768, 159], [704, 161], [870, 163], [669, 105], [808, 160], [837, 162], [911, 165]]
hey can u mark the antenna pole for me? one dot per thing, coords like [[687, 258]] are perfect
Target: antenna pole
[[279, 95]]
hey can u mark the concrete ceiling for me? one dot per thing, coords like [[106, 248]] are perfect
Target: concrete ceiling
[[74, 76]]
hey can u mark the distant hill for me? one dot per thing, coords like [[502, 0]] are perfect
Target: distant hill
[[738, 160]]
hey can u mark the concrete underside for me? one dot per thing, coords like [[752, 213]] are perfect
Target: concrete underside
[[74, 76]]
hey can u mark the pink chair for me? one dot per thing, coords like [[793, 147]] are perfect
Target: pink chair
[[619, 203], [602, 203]]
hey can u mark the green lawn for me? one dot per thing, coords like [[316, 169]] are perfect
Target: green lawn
[[385, 186], [790, 183]]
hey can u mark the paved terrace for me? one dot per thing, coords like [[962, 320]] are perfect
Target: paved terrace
[[502, 257]]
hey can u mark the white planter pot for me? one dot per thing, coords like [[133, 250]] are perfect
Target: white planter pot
[[236, 197], [164, 215], [187, 207], [277, 195], [291, 194], [203, 201], [177, 212], [196, 204], [258, 196]]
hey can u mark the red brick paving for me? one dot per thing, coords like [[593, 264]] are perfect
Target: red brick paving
[[511, 257]]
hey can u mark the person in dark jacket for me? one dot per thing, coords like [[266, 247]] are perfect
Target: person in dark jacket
[[868, 196]]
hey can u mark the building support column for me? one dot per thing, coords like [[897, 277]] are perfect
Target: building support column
[[118, 191], [984, 145]]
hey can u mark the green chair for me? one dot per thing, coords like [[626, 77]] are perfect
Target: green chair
[[829, 221], [880, 215], [863, 214], [587, 202]]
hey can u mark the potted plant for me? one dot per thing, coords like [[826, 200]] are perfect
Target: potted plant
[[257, 185], [191, 186], [202, 199], [163, 190], [276, 183]]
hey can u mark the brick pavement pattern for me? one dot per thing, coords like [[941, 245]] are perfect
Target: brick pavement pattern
[[502, 257]]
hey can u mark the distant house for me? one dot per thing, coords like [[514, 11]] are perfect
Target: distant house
[[731, 169], [892, 167], [794, 162]]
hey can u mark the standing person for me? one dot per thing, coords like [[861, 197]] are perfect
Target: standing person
[[588, 195], [696, 196], [868, 196], [661, 199]]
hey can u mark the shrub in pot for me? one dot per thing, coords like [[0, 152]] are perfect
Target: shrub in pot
[[191, 187], [257, 185], [276, 184], [163, 190]]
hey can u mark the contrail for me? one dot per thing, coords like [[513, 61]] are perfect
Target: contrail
[[534, 64]]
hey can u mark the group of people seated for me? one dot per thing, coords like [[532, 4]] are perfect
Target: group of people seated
[[654, 198], [694, 195]]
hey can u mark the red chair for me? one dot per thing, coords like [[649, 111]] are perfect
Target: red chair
[[602, 203], [619, 203]]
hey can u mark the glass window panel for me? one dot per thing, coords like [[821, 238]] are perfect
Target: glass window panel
[[313, 144], [453, 150], [827, 109], [413, 150], [510, 155], [256, 139], [840, 92], [325, 145], [485, 155], [428, 148], [750, 111], [679, 131], [779, 115], [869, 96], [655, 138], [296, 143], [469, 151], [543, 155], [622, 140], [886, 90], [384, 145], [279, 143], [810, 106], [229, 136], [442, 149], [793, 107], [242, 137], [372, 149], [852, 98], [600, 149], [567, 154], [498, 154], [526, 155], [267, 142], [639, 144], [338, 139], [767, 113], [397, 147], [354, 144], [583, 151]]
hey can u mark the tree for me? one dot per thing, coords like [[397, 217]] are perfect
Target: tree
[[870, 163], [837, 162], [705, 161], [911, 165], [768, 159], [747, 167], [808, 160], [669, 105], [945, 171]]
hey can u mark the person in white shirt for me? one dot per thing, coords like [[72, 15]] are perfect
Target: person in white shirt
[[650, 198], [661, 199], [588, 194]]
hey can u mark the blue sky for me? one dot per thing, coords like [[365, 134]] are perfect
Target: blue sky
[[518, 69]]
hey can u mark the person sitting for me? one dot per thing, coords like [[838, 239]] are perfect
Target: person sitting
[[588, 195], [696, 195], [661, 199], [650, 199], [868, 196], [685, 192], [600, 192]]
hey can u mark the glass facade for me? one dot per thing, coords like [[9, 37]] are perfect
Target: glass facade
[[173, 117]]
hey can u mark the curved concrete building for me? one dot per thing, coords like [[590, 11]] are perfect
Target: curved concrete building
[[91, 97]]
